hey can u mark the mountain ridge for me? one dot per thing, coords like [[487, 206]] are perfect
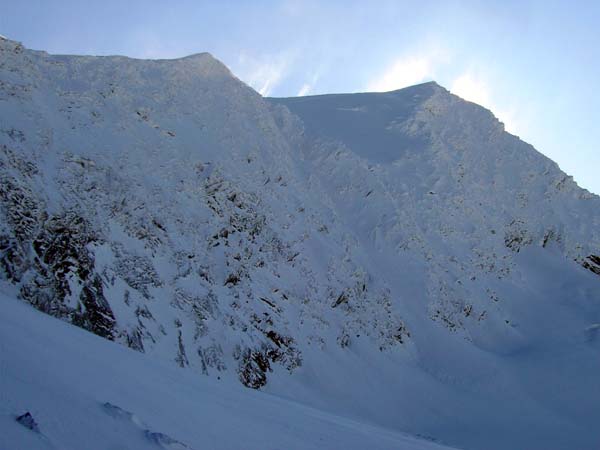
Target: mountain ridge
[[199, 55], [383, 256]]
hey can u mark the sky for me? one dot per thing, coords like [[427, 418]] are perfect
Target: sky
[[534, 64]]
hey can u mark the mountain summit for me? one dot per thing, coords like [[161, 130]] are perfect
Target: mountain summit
[[395, 258]]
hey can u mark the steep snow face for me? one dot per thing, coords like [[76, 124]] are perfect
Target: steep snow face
[[161, 204], [370, 124], [423, 173], [448, 164], [395, 258]]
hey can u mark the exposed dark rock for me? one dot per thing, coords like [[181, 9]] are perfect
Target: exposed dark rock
[[279, 340], [516, 236], [551, 236], [135, 340], [232, 279], [254, 364], [343, 298], [253, 368], [401, 333], [23, 211], [343, 339], [96, 315], [592, 263], [63, 281], [181, 358], [163, 440], [13, 259], [28, 421], [268, 302], [211, 357]]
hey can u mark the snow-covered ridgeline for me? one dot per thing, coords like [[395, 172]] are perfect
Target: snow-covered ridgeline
[[334, 249]]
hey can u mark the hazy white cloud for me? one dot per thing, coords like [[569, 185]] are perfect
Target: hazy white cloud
[[511, 123], [471, 89], [265, 74], [402, 73], [308, 86], [475, 89], [304, 90]]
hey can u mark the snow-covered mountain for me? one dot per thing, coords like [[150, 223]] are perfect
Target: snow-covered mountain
[[397, 259]]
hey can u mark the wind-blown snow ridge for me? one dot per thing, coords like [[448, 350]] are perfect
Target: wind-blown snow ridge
[[396, 258]]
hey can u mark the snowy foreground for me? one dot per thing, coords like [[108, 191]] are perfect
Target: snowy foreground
[[87, 393]]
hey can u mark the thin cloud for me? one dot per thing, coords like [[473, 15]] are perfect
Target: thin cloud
[[304, 90], [476, 89], [402, 73], [263, 75], [472, 89], [308, 87]]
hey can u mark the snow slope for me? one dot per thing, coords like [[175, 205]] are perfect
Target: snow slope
[[87, 393], [397, 259]]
